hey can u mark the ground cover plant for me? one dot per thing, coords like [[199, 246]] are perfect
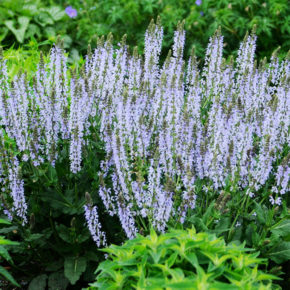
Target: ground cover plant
[[181, 260], [127, 143]]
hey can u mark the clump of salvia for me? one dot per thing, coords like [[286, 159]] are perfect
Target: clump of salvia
[[165, 127]]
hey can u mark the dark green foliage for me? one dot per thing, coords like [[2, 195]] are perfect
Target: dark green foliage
[[181, 259], [239, 218], [5, 258], [23, 20], [56, 249]]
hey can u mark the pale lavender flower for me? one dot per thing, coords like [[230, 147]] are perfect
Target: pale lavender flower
[[92, 218], [198, 2], [71, 12]]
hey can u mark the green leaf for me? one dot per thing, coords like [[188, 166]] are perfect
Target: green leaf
[[222, 226], [171, 260], [222, 286], [49, 32], [56, 12], [281, 253], [282, 228], [208, 213], [34, 237], [8, 276], [52, 174], [20, 32], [54, 266], [261, 216], [74, 267], [7, 230], [198, 223], [192, 259], [4, 254], [187, 284], [38, 283], [3, 241], [44, 19], [32, 30], [65, 233], [57, 281], [5, 222], [252, 236], [30, 9]]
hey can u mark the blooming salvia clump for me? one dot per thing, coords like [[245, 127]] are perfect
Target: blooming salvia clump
[[166, 127], [11, 183]]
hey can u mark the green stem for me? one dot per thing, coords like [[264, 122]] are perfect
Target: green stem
[[236, 218], [53, 227]]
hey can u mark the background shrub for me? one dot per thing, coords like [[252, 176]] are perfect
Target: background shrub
[[23, 20]]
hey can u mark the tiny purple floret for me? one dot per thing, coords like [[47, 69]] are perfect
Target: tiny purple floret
[[198, 2], [71, 12]]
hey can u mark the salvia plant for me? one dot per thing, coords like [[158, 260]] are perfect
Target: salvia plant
[[181, 259], [171, 132]]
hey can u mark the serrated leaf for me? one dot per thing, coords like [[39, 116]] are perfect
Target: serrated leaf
[[34, 237], [282, 229], [38, 283], [208, 213], [281, 253], [198, 223], [4, 254], [260, 213], [222, 226], [8, 230], [74, 267]]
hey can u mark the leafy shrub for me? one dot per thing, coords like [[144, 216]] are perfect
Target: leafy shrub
[[26, 19], [44, 20], [262, 228], [180, 259], [4, 255], [150, 143]]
